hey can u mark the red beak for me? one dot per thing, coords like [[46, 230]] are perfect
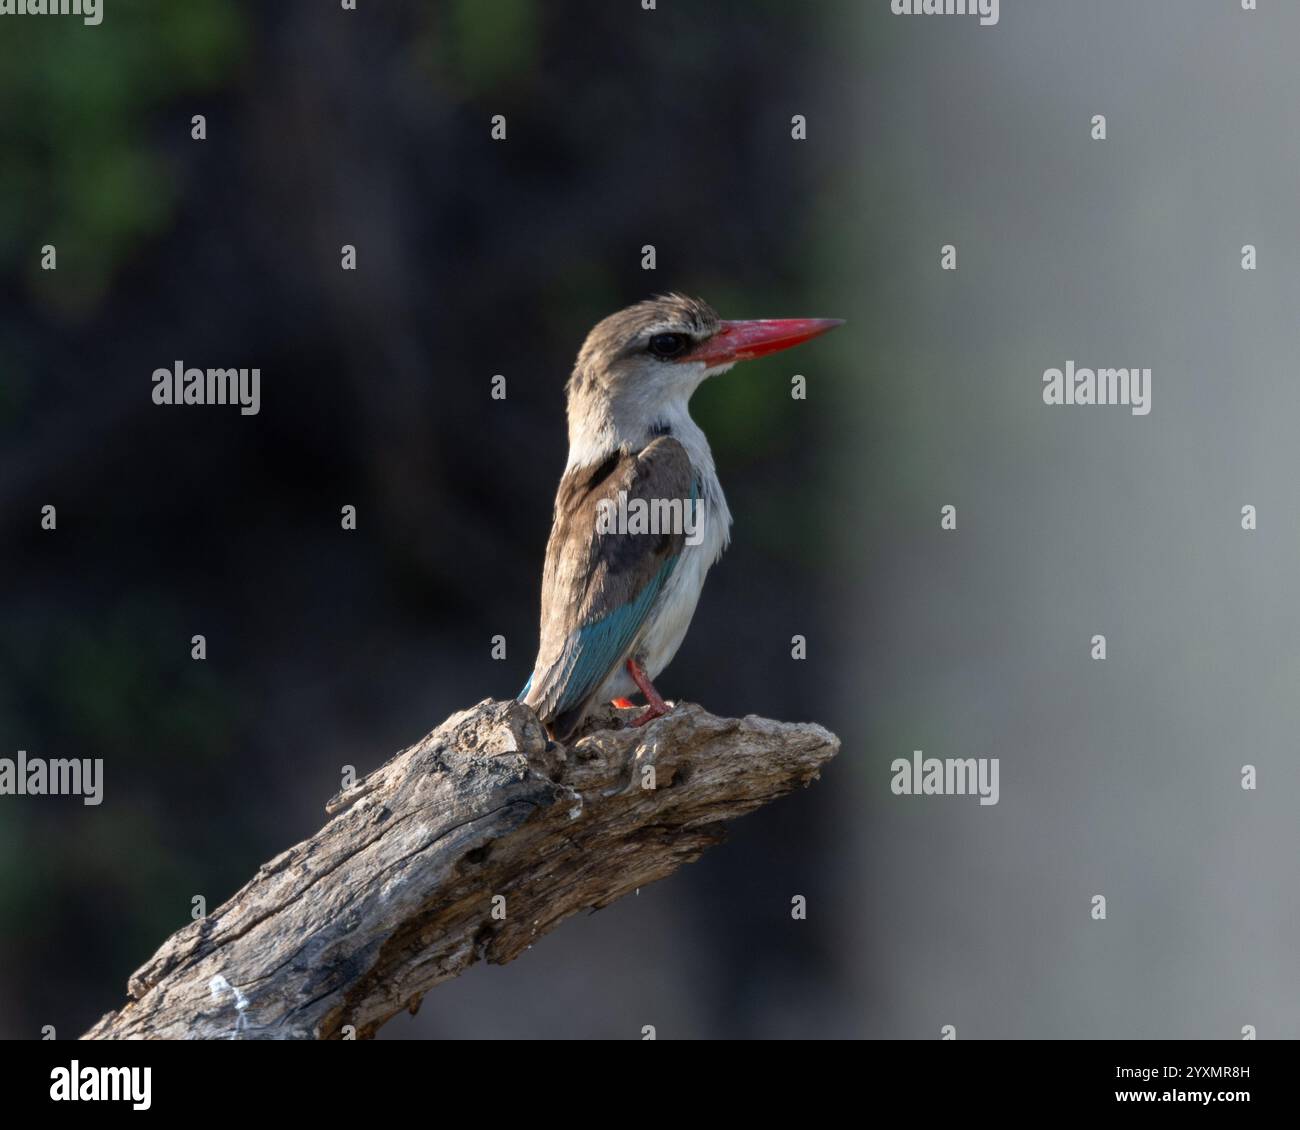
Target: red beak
[[739, 341]]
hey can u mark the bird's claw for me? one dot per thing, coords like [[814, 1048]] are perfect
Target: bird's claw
[[655, 710]]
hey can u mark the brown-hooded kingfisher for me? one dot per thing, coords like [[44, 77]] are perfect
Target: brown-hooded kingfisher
[[618, 597]]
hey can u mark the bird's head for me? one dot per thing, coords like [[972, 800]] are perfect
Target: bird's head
[[647, 359]]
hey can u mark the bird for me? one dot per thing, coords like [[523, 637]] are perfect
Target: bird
[[618, 595]]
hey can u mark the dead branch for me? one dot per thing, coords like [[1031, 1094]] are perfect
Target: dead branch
[[469, 845]]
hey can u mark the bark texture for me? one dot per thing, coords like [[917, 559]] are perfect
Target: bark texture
[[469, 845]]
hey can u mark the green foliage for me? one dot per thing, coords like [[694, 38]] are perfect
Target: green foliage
[[83, 162], [478, 46]]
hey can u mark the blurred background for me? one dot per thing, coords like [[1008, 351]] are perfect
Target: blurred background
[[672, 127]]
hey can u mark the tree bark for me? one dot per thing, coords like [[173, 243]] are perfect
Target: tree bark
[[469, 845]]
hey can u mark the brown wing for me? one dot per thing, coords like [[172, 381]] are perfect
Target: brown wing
[[598, 587]]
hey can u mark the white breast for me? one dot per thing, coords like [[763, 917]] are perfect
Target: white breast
[[669, 619]]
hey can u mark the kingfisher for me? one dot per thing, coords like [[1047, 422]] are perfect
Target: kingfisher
[[618, 596]]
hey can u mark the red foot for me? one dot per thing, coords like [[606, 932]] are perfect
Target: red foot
[[657, 708], [622, 703]]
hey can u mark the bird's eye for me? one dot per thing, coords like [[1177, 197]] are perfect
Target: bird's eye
[[664, 346]]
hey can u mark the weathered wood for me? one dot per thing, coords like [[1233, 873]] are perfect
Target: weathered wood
[[397, 891]]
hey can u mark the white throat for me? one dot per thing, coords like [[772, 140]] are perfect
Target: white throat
[[598, 426]]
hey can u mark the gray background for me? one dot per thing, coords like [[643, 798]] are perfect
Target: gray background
[[1119, 777]]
